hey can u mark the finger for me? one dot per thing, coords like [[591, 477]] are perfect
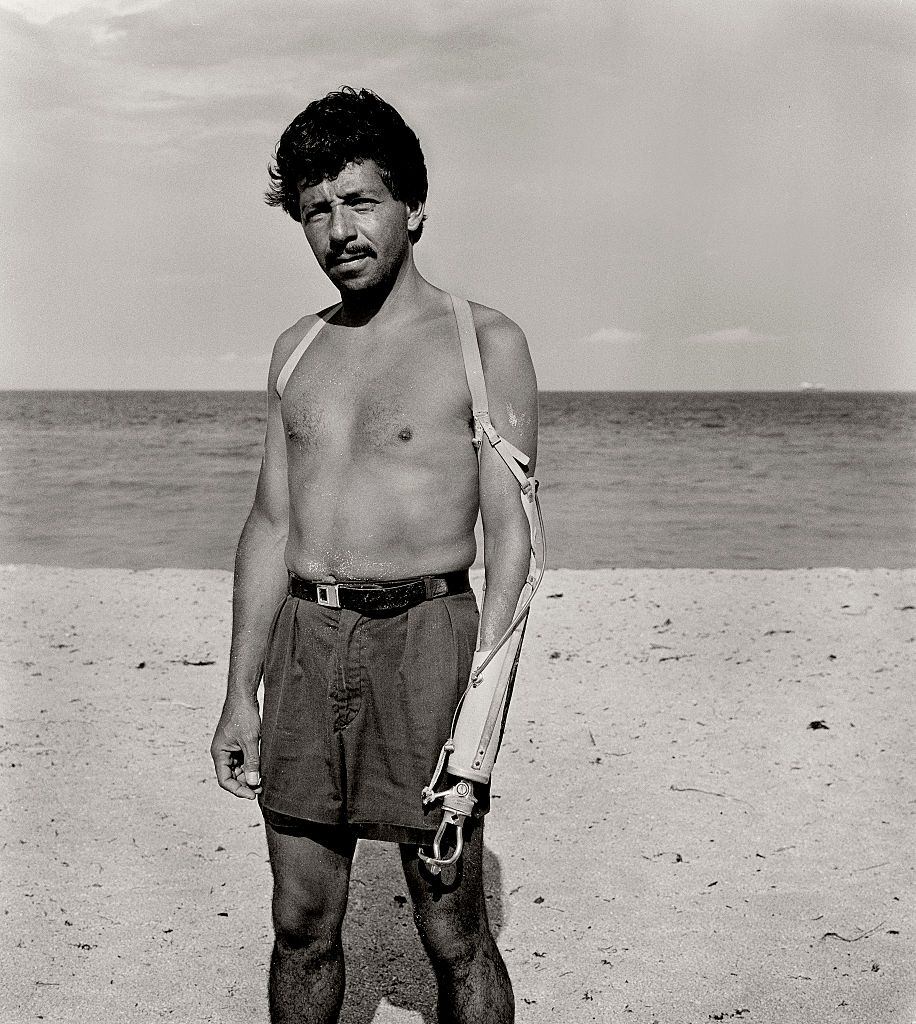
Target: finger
[[238, 773], [252, 764], [238, 789], [225, 776]]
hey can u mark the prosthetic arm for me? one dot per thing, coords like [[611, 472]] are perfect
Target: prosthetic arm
[[477, 727]]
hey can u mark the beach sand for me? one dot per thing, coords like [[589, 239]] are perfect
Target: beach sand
[[670, 840]]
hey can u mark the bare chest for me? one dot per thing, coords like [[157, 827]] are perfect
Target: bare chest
[[404, 400]]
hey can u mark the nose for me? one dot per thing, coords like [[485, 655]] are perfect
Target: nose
[[341, 228]]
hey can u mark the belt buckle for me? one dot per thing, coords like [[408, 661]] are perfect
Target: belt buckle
[[327, 595]]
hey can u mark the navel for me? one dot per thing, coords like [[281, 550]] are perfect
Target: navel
[[405, 434]]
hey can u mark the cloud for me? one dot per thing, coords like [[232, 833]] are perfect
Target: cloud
[[733, 336], [40, 12], [165, 74], [610, 336]]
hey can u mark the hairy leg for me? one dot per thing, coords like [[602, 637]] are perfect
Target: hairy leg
[[451, 917], [311, 869]]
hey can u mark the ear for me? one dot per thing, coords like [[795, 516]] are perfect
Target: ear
[[415, 215]]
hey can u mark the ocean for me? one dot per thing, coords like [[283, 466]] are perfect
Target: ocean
[[141, 479]]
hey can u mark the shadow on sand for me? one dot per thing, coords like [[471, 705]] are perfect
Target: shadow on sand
[[385, 961]]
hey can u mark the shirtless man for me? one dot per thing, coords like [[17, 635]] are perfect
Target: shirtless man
[[369, 476]]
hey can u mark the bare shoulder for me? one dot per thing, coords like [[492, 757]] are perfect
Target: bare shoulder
[[503, 345], [286, 344], [495, 329], [512, 388]]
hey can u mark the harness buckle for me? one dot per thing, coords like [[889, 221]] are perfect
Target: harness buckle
[[327, 595]]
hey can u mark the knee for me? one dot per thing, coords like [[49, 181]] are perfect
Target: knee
[[306, 918], [450, 940]]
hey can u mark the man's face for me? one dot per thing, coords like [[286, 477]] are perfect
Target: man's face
[[356, 228]]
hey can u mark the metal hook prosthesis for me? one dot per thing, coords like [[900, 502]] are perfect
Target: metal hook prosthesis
[[457, 804]]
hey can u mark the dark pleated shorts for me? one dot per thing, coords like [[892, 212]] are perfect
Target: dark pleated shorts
[[356, 709]]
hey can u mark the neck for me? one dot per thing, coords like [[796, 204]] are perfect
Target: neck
[[387, 301]]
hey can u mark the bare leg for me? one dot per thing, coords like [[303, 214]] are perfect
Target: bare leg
[[474, 986], [311, 876]]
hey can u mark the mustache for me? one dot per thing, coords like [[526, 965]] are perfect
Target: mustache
[[349, 254]]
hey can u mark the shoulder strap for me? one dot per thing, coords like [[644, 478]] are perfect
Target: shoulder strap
[[473, 368], [299, 351]]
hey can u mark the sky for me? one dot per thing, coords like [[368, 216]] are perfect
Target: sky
[[679, 195]]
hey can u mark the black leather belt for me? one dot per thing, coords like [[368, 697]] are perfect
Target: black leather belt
[[379, 598]]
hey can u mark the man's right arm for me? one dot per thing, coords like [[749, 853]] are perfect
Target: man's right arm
[[259, 585]]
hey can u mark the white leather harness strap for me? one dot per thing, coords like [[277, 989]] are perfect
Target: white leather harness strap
[[299, 351], [473, 368]]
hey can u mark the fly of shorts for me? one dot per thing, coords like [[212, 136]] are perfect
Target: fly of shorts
[[356, 709]]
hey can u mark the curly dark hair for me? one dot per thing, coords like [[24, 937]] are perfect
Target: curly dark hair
[[340, 128]]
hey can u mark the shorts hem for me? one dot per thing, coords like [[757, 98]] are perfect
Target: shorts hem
[[272, 811], [382, 831]]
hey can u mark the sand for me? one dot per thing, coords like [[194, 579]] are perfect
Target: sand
[[670, 841]]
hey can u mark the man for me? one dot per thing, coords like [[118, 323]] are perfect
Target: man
[[369, 478]]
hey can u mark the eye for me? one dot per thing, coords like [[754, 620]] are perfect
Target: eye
[[362, 205]]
